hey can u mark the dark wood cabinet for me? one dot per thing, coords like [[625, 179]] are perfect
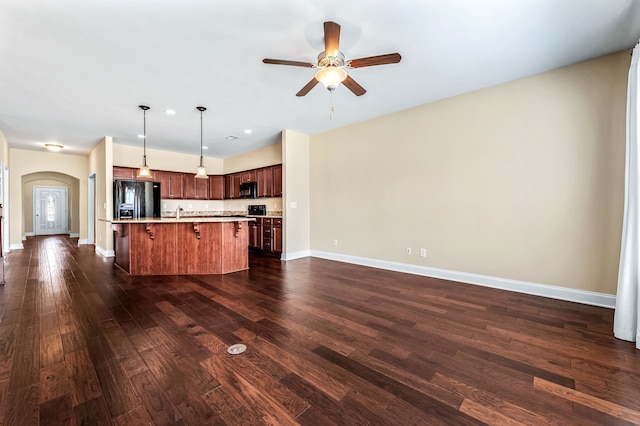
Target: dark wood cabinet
[[165, 183], [255, 234], [271, 234], [195, 188], [276, 235], [277, 180], [216, 187], [248, 176], [265, 182], [176, 185], [125, 173], [232, 186]]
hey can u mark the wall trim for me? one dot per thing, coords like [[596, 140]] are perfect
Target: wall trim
[[105, 253], [296, 255], [562, 293], [16, 247], [28, 234], [83, 241], [74, 235]]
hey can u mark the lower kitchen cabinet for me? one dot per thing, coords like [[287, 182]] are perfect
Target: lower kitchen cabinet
[[265, 236], [255, 234]]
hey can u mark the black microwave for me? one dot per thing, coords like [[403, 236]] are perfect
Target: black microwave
[[249, 190]]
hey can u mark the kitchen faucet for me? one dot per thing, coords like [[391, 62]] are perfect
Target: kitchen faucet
[[178, 210]]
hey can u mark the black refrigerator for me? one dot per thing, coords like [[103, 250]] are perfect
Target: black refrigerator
[[136, 199]]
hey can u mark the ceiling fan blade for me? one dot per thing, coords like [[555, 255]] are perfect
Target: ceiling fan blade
[[351, 84], [307, 88], [390, 58], [331, 38], [283, 62]]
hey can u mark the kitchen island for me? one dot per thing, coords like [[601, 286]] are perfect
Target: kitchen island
[[185, 246]]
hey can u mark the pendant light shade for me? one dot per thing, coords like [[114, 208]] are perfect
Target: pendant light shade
[[202, 170], [144, 171]]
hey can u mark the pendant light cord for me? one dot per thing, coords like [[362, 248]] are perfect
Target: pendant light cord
[[144, 139]]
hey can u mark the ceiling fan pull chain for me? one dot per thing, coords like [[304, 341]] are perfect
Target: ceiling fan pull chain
[[333, 108]]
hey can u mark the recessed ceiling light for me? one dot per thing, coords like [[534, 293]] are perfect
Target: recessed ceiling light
[[231, 138], [53, 147], [205, 147], [141, 136], [248, 131], [170, 111]]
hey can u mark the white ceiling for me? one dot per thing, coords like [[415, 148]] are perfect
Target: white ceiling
[[73, 71]]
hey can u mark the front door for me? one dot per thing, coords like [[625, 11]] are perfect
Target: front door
[[50, 215]]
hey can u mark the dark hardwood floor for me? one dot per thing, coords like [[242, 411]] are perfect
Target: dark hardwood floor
[[81, 343]]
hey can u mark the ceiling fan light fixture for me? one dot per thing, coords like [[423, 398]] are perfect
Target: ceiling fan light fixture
[[201, 172], [331, 76]]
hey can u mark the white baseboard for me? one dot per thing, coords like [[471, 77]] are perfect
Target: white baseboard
[[16, 247], [28, 234], [296, 255], [74, 235], [105, 253], [83, 241], [554, 292]]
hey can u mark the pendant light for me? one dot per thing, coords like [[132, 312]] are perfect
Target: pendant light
[[144, 171], [202, 171]]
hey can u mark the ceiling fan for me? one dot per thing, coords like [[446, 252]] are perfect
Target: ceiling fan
[[332, 64]]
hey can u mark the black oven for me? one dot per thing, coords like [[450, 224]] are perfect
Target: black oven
[[249, 190]]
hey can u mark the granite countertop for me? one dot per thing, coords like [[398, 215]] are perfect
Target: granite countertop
[[200, 219]]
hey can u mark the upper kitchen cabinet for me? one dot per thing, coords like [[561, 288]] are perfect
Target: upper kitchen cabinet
[[277, 180], [176, 185], [216, 187], [165, 183], [124, 173], [232, 186], [265, 182], [248, 176], [194, 188]]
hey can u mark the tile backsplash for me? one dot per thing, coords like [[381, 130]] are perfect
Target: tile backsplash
[[216, 207]]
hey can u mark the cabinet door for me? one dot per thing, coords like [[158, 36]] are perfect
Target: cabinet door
[[265, 182], [248, 176], [277, 238], [165, 183], [126, 173], [189, 187], [202, 189], [277, 180], [255, 234], [176, 185], [216, 187], [228, 187]]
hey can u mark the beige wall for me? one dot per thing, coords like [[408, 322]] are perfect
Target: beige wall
[[266, 156], [521, 181], [131, 156], [23, 163], [297, 207], [51, 179], [101, 164]]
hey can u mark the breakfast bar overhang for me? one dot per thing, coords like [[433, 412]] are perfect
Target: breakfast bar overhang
[[185, 246]]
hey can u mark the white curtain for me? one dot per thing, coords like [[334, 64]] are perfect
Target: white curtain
[[625, 325]]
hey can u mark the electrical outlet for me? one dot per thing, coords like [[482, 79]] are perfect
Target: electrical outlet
[[408, 249], [164, 206], [423, 252], [335, 243], [206, 206], [190, 206]]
